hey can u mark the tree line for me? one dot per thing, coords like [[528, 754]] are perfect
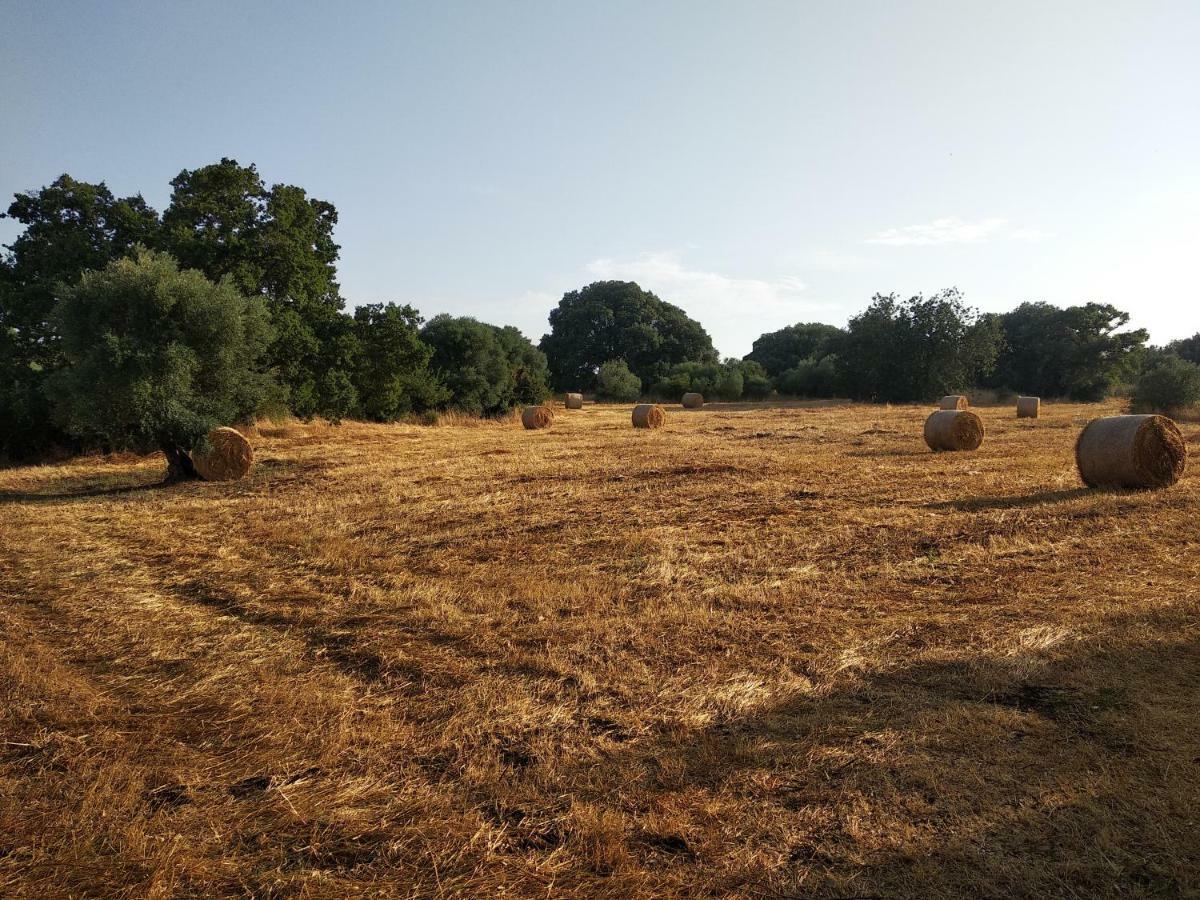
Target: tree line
[[124, 327]]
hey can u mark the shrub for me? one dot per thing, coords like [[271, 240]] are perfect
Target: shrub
[[811, 378], [1171, 385], [615, 382]]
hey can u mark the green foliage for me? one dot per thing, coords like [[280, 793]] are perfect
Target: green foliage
[[756, 383], [276, 243], [391, 372], [487, 370], [778, 351], [917, 349], [157, 356], [716, 381], [611, 320], [70, 226], [1078, 352], [1187, 348], [615, 382], [811, 377], [1168, 386]]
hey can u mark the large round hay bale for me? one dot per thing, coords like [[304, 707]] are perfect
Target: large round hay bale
[[1029, 407], [574, 401], [953, 401], [953, 429], [692, 400], [1131, 452], [649, 415], [537, 417], [225, 455]]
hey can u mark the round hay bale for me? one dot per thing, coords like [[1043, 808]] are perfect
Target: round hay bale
[[1029, 407], [692, 400], [953, 429], [225, 456], [574, 401], [649, 415], [953, 401], [1131, 452], [533, 417]]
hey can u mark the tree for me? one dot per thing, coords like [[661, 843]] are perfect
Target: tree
[[917, 349], [1169, 386], [778, 351], [615, 382], [1078, 352], [157, 357], [487, 370], [70, 227], [1187, 348], [610, 320], [275, 243], [391, 371]]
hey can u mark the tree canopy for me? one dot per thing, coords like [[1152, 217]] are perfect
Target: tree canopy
[[391, 371], [487, 370], [276, 243], [917, 349], [1078, 352], [778, 351], [610, 320], [156, 356]]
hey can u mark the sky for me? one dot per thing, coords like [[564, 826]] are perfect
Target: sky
[[757, 163]]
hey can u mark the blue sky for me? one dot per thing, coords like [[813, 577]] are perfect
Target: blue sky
[[758, 163]]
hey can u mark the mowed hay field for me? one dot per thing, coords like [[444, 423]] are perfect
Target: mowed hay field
[[760, 652]]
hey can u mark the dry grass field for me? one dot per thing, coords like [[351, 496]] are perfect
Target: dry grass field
[[762, 652]]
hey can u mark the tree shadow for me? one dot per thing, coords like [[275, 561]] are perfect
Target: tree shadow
[[10, 497], [1057, 773], [1010, 502]]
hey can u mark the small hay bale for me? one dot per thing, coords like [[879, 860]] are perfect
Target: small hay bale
[[1131, 452], [649, 415], [226, 455], [533, 417], [953, 429], [574, 401], [953, 401], [693, 400], [1029, 407]]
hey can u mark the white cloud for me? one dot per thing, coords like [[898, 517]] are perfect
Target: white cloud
[[953, 230], [734, 311], [665, 274]]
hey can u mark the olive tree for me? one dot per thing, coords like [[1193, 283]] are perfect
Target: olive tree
[[156, 357]]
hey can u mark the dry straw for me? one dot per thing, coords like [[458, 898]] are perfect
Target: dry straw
[[537, 417], [693, 400], [1029, 407], [1131, 452], [225, 456], [574, 401], [953, 401], [953, 429], [649, 415]]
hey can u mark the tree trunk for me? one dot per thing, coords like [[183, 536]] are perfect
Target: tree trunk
[[179, 464]]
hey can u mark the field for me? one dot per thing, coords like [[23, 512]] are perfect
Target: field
[[762, 652]]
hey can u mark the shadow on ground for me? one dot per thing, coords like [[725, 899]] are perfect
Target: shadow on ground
[[1074, 775]]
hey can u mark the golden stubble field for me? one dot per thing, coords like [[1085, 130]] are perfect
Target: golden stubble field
[[762, 652]]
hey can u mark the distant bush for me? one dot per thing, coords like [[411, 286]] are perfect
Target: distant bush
[[715, 381], [615, 382], [810, 378], [756, 383], [1173, 384]]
